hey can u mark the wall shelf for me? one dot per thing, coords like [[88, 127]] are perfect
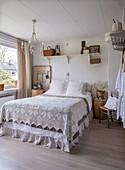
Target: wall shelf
[[117, 38], [67, 57]]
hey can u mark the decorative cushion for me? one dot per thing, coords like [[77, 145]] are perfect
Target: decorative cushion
[[88, 87], [76, 88], [57, 87], [111, 103]]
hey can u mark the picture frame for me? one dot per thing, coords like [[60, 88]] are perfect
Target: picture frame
[[94, 49]]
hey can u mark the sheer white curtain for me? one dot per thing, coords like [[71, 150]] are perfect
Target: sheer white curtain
[[120, 86], [24, 71]]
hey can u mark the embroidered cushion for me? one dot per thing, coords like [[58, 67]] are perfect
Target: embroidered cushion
[[111, 103]]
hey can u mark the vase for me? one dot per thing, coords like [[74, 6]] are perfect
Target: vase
[[100, 94], [1, 87]]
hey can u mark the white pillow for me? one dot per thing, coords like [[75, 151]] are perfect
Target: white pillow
[[57, 87], [75, 88], [111, 103]]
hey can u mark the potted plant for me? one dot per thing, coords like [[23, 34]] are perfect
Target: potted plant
[[1, 87], [100, 89]]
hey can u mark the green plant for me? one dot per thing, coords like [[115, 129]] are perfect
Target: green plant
[[99, 85], [5, 78]]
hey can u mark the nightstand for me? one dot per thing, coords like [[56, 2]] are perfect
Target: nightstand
[[36, 92], [97, 104]]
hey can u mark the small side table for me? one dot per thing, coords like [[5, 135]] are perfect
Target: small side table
[[97, 104], [36, 92]]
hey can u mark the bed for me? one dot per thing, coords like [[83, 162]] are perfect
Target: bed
[[54, 120]]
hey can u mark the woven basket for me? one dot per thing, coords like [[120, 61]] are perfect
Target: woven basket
[[95, 60], [49, 51]]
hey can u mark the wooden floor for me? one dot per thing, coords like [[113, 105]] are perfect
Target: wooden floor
[[100, 148]]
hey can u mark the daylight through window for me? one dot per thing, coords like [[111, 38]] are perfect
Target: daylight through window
[[8, 66]]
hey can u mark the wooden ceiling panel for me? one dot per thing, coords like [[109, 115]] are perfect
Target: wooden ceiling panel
[[59, 19]]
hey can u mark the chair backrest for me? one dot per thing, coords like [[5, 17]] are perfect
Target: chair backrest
[[114, 94]]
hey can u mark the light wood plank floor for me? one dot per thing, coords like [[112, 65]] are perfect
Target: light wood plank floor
[[99, 148]]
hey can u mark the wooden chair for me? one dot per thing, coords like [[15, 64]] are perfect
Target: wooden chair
[[111, 113], [108, 112]]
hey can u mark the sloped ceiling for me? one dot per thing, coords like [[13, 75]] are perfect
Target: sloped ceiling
[[59, 19]]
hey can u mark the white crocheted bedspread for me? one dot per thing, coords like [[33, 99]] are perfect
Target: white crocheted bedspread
[[60, 114]]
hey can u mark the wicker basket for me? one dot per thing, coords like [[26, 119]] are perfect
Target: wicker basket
[[49, 51], [95, 60]]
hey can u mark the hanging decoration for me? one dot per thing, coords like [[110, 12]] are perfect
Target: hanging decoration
[[33, 44]]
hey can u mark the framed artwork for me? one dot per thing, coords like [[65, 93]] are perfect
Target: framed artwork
[[41, 77], [94, 49]]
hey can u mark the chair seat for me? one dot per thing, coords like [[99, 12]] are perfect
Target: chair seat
[[105, 108]]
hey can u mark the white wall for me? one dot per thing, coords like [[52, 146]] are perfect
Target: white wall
[[79, 66], [114, 62]]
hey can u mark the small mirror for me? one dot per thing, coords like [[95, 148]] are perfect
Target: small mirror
[[41, 77]]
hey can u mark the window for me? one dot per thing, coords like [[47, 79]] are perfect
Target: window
[[8, 66]]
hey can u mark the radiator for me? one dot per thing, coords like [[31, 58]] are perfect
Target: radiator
[[5, 99]]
